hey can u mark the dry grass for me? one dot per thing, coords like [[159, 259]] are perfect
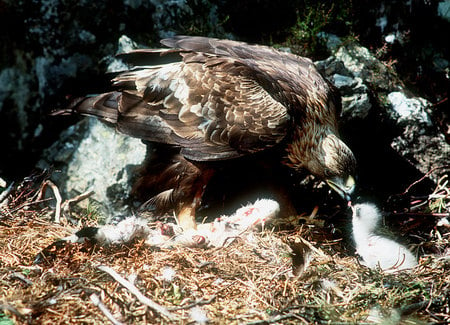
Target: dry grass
[[248, 282]]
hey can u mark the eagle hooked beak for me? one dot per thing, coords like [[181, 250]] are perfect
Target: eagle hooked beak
[[344, 187]]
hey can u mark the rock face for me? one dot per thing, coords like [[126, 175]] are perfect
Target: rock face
[[91, 156], [374, 97], [364, 65], [419, 140], [444, 9], [355, 94]]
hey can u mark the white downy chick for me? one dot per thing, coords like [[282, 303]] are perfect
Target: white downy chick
[[374, 249]]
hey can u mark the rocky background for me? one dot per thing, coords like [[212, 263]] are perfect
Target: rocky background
[[390, 60]]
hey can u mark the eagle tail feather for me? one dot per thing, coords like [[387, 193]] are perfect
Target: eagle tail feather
[[103, 106]]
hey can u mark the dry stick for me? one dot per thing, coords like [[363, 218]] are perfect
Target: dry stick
[[278, 318], [4, 195], [11, 309], [98, 303], [27, 204], [57, 197], [132, 288], [423, 177], [21, 277], [199, 302], [417, 214], [66, 205]]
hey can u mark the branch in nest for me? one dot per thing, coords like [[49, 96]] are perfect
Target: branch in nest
[[4, 195], [277, 319], [143, 299], [98, 303], [423, 177], [57, 197], [196, 303], [66, 205]]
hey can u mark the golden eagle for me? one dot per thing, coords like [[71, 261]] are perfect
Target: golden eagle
[[203, 101]]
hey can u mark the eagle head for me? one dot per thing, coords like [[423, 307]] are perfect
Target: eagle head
[[327, 157], [337, 166]]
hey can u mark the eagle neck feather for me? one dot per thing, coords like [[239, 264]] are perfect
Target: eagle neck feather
[[305, 149]]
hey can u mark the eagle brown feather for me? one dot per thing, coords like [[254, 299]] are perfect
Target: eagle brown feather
[[215, 100]]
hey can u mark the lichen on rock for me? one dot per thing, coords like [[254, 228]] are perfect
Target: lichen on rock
[[91, 156]]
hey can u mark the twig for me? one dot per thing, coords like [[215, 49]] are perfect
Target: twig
[[27, 204], [19, 276], [11, 309], [314, 212], [199, 302], [57, 197], [98, 303], [440, 102], [277, 319], [132, 288], [5, 194], [409, 309], [66, 205], [422, 178], [417, 214]]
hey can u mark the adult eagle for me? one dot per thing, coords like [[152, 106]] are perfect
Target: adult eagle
[[203, 101]]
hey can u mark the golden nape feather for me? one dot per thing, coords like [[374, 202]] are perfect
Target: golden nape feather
[[204, 101]]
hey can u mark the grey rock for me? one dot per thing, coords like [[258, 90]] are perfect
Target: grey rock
[[332, 41], [331, 66], [357, 73], [91, 156], [355, 97], [124, 45], [16, 93], [14, 83], [86, 37], [440, 64], [428, 152], [364, 65], [135, 4], [419, 141], [409, 110], [444, 10], [344, 83], [356, 106], [285, 49]]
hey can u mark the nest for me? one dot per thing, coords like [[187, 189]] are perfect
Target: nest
[[296, 273]]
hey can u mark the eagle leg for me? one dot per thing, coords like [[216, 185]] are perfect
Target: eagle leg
[[186, 214], [172, 183], [186, 217]]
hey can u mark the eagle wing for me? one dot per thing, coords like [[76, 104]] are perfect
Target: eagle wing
[[216, 99], [214, 107]]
